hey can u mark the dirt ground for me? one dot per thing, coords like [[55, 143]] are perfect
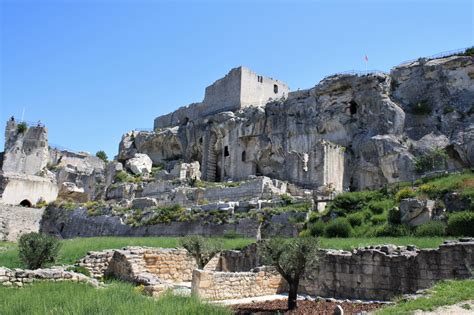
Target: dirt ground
[[304, 307]]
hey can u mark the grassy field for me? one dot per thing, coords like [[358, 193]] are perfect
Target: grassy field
[[444, 293], [77, 298], [72, 250]]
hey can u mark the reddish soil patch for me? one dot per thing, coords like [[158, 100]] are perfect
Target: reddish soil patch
[[304, 307]]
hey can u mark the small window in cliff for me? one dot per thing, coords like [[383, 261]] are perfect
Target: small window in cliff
[[26, 203], [226, 151], [353, 107], [244, 157], [200, 140], [275, 88], [260, 79]]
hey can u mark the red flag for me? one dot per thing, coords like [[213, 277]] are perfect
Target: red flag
[[366, 58]]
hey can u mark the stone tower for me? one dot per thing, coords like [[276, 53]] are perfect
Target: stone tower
[[26, 148]]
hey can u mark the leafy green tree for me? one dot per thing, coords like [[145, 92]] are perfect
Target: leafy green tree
[[22, 127], [37, 249], [291, 257], [433, 159], [202, 249], [102, 155]]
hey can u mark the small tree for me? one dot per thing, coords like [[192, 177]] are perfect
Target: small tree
[[22, 127], [37, 249], [102, 155], [291, 257], [202, 249]]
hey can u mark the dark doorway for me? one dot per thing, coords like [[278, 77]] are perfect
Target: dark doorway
[[26, 203], [244, 156], [275, 88], [353, 107], [226, 151]]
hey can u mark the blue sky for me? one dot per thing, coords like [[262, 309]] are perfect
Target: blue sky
[[92, 70]]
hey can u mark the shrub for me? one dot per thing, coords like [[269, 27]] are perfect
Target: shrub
[[287, 199], [339, 227], [317, 229], [378, 219], [121, 177], [356, 219], [461, 224], [353, 201], [468, 52], [380, 206], [405, 193], [22, 127], [433, 159], [37, 249], [393, 216], [102, 155], [431, 228], [421, 108], [391, 230]]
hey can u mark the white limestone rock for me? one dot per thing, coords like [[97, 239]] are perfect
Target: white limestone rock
[[140, 164]]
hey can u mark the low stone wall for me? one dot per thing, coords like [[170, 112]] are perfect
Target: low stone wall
[[20, 277], [384, 272], [16, 221], [216, 285], [96, 262]]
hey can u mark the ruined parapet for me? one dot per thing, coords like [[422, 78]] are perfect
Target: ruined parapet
[[240, 88], [26, 148]]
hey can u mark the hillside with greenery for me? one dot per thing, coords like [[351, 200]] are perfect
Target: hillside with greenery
[[376, 214]]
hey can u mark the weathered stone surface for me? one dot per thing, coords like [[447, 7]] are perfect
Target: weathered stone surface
[[16, 221], [139, 164], [414, 212], [70, 191], [19, 277]]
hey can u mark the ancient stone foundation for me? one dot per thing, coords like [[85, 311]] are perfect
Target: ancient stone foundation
[[217, 285], [20, 277]]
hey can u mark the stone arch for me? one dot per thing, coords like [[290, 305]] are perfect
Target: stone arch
[[26, 203]]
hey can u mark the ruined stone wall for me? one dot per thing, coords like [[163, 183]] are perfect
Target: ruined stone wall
[[257, 90], [218, 285], [18, 187], [380, 272], [225, 93], [25, 152], [16, 221], [96, 262], [385, 272], [20, 277], [170, 264]]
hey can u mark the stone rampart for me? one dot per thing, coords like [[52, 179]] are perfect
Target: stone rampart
[[217, 285]]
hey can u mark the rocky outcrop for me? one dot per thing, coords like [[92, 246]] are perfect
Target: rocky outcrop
[[375, 119], [140, 164], [414, 212]]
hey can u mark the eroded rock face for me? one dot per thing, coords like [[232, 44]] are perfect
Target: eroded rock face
[[414, 212], [139, 164], [348, 131]]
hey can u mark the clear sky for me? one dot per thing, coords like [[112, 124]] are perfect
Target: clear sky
[[92, 70]]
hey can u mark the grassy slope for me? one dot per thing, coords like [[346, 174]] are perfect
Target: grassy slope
[[444, 293], [74, 249], [77, 298]]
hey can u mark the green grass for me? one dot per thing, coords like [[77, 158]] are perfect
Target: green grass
[[443, 293], [73, 249], [78, 298], [354, 242]]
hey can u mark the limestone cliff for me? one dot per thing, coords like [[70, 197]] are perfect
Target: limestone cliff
[[350, 131]]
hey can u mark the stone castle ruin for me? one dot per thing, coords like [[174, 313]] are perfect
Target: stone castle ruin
[[251, 145]]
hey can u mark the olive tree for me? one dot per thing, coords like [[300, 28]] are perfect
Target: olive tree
[[291, 257], [202, 249], [37, 249]]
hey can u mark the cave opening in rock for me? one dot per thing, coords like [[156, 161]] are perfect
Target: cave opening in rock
[[226, 151], [244, 156], [353, 107], [26, 203]]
